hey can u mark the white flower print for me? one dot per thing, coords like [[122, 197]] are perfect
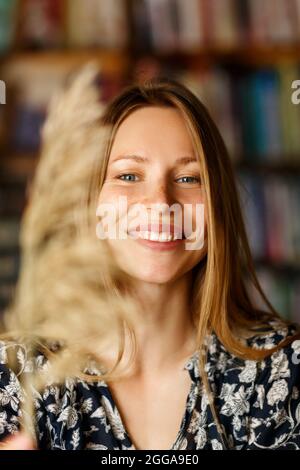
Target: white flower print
[[216, 445], [222, 362], [194, 422], [192, 397], [254, 423], [11, 393], [260, 390], [75, 438], [53, 408], [87, 405], [181, 444], [248, 374], [200, 438], [296, 346], [3, 353], [92, 429], [296, 351], [3, 421], [93, 446], [280, 366], [237, 403], [51, 390], [113, 418], [278, 392], [227, 391], [68, 415], [98, 413], [237, 424]]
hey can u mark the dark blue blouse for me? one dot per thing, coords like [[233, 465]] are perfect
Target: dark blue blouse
[[258, 403]]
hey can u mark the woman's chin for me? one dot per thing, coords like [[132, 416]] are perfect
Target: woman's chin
[[157, 276]]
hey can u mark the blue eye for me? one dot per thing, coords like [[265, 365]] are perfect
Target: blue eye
[[193, 178], [127, 177]]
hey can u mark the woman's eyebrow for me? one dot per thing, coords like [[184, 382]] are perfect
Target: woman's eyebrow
[[139, 159], [186, 160]]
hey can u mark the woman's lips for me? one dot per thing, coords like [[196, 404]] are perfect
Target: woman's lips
[[174, 230], [160, 246], [171, 236]]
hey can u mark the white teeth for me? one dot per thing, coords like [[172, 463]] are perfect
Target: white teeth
[[154, 236], [164, 237]]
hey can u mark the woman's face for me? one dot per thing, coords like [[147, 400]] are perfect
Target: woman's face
[[152, 163]]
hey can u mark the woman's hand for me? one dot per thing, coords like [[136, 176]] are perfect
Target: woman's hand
[[18, 441]]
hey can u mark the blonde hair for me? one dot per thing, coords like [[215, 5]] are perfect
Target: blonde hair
[[220, 302]]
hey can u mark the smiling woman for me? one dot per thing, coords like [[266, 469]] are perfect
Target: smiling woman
[[165, 176], [207, 368]]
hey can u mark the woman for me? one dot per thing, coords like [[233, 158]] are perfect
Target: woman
[[211, 370]]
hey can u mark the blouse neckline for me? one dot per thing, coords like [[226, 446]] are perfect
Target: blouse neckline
[[191, 365]]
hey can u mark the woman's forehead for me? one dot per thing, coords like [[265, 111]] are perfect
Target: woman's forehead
[[153, 131]]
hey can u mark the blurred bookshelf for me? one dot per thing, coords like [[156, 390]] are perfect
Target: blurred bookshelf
[[239, 56]]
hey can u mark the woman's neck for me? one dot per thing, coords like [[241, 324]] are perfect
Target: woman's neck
[[165, 333]]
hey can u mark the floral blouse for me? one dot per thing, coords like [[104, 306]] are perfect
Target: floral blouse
[[258, 403]]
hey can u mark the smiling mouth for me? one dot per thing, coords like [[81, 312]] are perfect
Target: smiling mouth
[[163, 237]]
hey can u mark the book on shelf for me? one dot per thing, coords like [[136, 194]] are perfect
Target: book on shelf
[[25, 134], [190, 27], [33, 84], [221, 22], [180, 25], [44, 24], [2, 125], [18, 167], [9, 233], [9, 266], [271, 206], [290, 112], [253, 110], [40, 24], [282, 291], [7, 291], [258, 93], [252, 203], [162, 25], [273, 22], [141, 27], [95, 23], [8, 15], [12, 199]]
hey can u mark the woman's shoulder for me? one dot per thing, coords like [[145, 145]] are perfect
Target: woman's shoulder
[[275, 400], [274, 332], [279, 368], [269, 335], [259, 400], [284, 362]]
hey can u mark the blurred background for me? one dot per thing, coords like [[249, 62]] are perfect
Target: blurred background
[[239, 56]]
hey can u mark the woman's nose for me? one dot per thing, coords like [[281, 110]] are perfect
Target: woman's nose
[[159, 193]]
